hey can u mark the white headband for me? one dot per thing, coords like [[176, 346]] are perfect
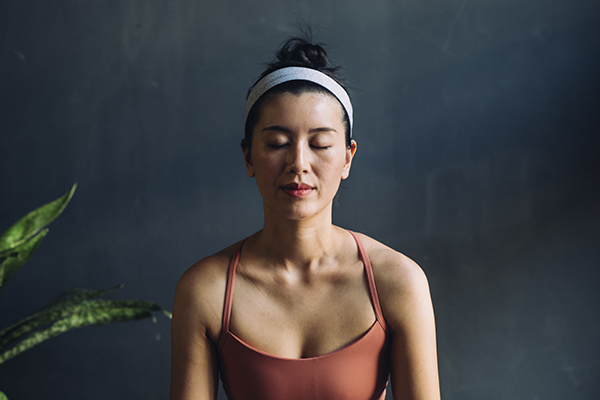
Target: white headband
[[299, 74]]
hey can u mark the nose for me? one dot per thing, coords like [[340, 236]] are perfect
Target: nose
[[298, 159]]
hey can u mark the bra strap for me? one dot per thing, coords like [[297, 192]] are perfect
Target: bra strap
[[371, 280], [229, 293]]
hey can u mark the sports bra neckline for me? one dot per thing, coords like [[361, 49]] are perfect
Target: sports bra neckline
[[346, 347], [379, 320]]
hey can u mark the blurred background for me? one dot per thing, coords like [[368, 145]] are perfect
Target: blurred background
[[478, 129]]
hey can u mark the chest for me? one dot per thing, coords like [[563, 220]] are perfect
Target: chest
[[301, 319]]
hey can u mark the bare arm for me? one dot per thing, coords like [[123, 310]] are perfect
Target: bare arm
[[407, 308], [194, 371], [414, 354]]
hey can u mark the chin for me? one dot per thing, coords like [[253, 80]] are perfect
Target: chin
[[302, 213]]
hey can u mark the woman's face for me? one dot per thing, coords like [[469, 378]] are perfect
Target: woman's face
[[299, 154]]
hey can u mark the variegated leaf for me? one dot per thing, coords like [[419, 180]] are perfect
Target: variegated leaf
[[33, 222]]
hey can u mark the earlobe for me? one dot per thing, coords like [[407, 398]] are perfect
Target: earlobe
[[248, 163], [250, 170], [350, 151]]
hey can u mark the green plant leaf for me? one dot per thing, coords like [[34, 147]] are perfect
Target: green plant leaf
[[70, 301], [111, 311], [18, 257], [3, 396], [34, 222]]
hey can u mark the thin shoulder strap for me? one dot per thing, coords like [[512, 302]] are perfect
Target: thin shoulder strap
[[370, 279], [229, 292]]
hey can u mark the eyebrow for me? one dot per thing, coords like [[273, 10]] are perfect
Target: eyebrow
[[283, 129]]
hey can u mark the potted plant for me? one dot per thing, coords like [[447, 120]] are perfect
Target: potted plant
[[73, 308]]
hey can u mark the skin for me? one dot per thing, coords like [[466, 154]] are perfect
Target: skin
[[300, 261]]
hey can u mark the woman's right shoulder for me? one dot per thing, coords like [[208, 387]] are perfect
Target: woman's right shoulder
[[200, 293], [208, 271]]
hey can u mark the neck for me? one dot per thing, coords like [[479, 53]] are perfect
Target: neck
[[296, 244]]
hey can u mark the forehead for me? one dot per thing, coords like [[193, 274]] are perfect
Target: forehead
[[300, 109]]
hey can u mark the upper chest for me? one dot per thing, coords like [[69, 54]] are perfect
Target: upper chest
[[304, 317]]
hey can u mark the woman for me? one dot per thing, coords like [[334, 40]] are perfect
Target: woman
[[302, 309]]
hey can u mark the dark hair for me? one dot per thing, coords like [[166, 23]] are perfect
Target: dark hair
[[295, 52]]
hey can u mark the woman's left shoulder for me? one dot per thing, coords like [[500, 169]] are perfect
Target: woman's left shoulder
[[399, 280], [389, 265]]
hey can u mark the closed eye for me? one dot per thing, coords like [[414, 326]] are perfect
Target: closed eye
[[276, 146]]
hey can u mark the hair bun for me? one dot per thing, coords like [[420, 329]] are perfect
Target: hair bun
[[301, 52]]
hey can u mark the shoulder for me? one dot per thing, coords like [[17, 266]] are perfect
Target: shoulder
[[402, 285], [406, 305], [391, 267], [200, 293]]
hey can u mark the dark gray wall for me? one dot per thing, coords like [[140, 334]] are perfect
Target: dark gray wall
[[477, 124]]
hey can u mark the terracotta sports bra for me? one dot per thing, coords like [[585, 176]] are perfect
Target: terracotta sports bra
[[359, 370]]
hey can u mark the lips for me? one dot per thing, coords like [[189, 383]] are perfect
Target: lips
[[297, 189]]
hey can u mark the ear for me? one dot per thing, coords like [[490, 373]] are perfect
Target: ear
[[247, 159], [350, 151]]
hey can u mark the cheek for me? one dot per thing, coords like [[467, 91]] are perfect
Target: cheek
[[333, 165], [267, 164]]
